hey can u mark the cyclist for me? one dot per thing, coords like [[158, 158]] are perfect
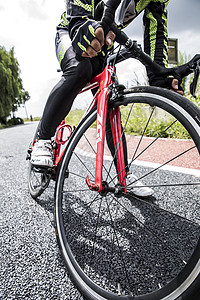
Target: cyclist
[[79, 32]]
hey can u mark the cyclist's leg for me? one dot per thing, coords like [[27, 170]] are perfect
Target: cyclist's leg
[[76, 74]]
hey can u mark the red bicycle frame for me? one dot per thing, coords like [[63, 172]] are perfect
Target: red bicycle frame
[[102, 96], [103, 81], [60, 140]]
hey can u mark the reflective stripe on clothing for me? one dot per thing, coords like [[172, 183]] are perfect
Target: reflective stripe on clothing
[[62, 43], [155, 22], [155, 34]]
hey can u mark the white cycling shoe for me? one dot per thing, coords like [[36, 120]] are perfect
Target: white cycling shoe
[[137, 187], [41, 155]]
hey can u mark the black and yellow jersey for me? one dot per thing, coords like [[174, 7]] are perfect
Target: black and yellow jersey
[[155, 21]]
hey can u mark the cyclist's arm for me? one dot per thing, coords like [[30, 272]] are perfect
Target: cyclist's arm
[[155, 42], [86, 33], [77, 13], [155, 33]]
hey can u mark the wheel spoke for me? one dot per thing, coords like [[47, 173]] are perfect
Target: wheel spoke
[[119, 243], [164, 185], [152, 232], [76, 174], [162, 165], [96, 228], [161, 209], [83, 164], [143, 133], [146, 148], [36, 178]]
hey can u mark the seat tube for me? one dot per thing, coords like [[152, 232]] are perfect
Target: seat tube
[[59, 135]]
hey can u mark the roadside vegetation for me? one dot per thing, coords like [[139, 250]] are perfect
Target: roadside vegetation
[[156, 126], [12, 92]]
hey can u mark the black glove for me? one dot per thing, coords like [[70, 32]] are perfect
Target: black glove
[[163, 82], [84, 36], [98, 13]]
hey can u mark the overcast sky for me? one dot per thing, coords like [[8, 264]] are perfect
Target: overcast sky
[[29, 26]]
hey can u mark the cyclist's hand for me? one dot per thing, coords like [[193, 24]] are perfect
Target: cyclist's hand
[[169, 83], [110, 37], [175, 87], [89, 39], [98, 42]]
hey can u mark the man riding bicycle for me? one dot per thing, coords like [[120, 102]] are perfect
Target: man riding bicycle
[[81, 49]]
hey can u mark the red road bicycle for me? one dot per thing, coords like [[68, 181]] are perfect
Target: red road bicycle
[[116, 245]]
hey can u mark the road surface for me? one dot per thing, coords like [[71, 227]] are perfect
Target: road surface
[[31, 265]]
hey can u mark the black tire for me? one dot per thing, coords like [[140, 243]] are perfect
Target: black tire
[[38, 180], [125, 247]]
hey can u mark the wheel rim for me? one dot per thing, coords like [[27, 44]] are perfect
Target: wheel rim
[[126, 245], [38, 181]]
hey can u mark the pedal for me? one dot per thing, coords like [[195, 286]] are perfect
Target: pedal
[[42, 170], [28, 156]]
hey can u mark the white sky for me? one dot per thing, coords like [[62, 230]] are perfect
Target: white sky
[[30, 26]]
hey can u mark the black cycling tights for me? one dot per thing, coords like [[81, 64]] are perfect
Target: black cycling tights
[[76, 74]]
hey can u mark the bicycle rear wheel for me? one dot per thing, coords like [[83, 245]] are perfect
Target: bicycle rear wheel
[[124, 247], [38, 179]]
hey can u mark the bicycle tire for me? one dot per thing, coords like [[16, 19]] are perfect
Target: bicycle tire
[[37, 181], [151, 245]]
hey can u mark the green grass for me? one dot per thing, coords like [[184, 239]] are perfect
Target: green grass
[[74, 117], [34, 119], [3, 126], [137, 121], [156, 126]]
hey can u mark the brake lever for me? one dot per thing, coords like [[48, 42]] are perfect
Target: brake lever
[[193, 85]]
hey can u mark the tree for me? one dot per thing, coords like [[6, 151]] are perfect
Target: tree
[[12, 92]]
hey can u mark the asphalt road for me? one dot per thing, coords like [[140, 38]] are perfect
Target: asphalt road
[[31, 266]]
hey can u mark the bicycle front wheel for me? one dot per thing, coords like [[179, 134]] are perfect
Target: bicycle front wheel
[[122, 246]]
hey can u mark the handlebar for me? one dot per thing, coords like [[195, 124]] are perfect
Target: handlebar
[[132, 49], [177, 72]]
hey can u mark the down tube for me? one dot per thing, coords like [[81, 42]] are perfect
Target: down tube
[[101, 128]]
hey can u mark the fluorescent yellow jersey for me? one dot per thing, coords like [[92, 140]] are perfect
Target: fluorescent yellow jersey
[[155, 21]]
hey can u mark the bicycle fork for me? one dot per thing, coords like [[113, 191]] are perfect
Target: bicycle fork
[[115, 122]]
